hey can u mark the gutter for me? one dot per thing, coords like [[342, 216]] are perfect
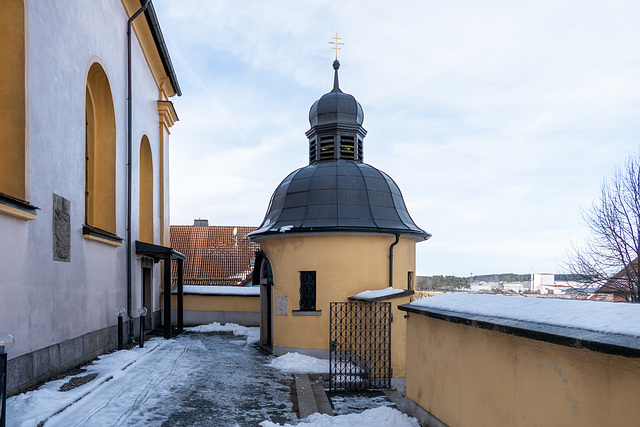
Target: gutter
[[129, 167], [391, 259], [156, 32]]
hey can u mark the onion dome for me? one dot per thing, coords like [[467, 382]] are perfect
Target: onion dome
[[336, 126]]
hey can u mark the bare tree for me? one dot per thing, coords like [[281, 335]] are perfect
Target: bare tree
[[609, 259]]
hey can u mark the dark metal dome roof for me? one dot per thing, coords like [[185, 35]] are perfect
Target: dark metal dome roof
[[338, 196], [336, 107]]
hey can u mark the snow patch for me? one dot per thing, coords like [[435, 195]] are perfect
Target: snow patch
[[252, 334], [221, 290], [379, 293], [599, 316], [300, 363], [285, 228], [376, 417]]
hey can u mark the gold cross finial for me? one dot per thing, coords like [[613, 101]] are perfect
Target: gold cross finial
[[336, 44]]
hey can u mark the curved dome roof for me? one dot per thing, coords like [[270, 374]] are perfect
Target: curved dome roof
[[338, 196], [336, 107]]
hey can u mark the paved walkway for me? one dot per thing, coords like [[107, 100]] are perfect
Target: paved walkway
[[197, 379]]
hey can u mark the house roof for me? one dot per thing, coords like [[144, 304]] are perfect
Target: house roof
[[215, 256], [619, 283]]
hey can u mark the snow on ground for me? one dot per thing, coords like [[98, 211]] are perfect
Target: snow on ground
[[300, 363], [130, 386], [379, 293], [376, 417], [600, 316], [221, 290], [252, 334], [30, 408]]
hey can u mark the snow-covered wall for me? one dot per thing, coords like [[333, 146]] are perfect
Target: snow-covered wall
[[498, 360]]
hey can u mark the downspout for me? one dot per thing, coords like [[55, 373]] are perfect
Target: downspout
[[129, 168], [391, 259]]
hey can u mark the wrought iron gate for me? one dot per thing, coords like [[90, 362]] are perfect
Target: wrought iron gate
[[360, 346]]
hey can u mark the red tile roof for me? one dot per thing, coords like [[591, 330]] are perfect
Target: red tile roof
[[214, 255]]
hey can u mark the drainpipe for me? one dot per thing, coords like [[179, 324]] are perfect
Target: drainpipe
[[391, 259], [129, 167]]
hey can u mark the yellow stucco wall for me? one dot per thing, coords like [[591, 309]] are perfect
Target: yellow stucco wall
[[345, 265], [13, 111], [218, 303], [466, 376], [398, 337]]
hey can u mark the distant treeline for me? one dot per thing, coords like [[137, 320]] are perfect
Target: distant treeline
[[503, 277], [431, 283], [511, 277]]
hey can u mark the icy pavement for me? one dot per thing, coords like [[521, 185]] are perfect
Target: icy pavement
[[205, 377], [196, 379]]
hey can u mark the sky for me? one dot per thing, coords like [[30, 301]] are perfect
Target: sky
[[498, 120]]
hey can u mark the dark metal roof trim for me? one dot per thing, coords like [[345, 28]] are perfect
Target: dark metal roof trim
[[5, 199], [154, 25], [157, 252], [617, 344], [98, 232]]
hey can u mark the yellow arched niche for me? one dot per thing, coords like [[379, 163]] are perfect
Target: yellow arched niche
[[100, 187], [13, 113], [146, 191]]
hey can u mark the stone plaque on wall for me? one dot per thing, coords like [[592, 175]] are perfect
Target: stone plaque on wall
[[281, 305], [61, 229]]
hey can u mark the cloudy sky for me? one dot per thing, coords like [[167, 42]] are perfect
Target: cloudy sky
[[498, 120]]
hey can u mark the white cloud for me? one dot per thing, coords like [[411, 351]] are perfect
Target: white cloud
[[497, 120]]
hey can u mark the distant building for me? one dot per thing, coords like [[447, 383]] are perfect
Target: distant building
[[216, 255], [540, 280]]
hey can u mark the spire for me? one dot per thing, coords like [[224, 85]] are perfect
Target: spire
[[336, 126]]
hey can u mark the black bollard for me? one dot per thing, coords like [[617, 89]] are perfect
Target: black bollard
[[142, 312], [141, 331], [3, 385], [120, 313], [120, 333], [6, 344]]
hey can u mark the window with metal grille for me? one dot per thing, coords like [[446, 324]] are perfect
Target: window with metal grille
[[326, 148], [347, 148], [307, 290]]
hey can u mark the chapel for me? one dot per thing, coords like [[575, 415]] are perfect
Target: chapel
[[333, 229]]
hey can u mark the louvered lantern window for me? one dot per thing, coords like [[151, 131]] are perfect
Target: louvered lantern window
[[307, 290], [347, 148], [312, 151], [326, 148], [360, 152]]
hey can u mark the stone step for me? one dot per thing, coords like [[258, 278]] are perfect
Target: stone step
[[311, 397]]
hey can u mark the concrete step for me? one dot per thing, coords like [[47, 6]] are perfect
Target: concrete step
[[311, 397]]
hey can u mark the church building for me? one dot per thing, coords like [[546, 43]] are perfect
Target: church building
[[86, 91], [333, 229]]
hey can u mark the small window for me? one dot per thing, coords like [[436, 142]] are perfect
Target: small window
[[326, 148], [410, 280], [347, 148], [360, 152], [307, 290]]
